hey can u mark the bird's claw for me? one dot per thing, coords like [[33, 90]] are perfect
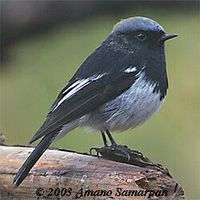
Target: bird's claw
[[97, 150], [119, 150], [113, 151]]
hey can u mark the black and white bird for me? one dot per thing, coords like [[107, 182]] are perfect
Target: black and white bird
[[119, 86]]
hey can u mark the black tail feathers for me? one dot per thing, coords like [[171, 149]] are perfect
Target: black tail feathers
[[33, 158]]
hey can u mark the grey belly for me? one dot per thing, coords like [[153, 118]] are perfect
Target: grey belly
[[130, 109]]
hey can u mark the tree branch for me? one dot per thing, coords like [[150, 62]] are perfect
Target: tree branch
[[68, 175]]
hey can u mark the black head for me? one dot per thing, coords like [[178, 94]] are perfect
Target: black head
[[140, 32]]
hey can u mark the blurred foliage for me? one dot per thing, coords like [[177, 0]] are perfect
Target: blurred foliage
[[44, 64]]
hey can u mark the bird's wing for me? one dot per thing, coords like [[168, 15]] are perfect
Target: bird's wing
[[83, 96]]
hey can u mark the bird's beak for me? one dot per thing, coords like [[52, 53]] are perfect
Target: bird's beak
[[167, 36]]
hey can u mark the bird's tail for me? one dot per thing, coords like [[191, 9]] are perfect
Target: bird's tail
[[33, 158]]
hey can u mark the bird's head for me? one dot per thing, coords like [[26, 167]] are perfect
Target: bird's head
[[141, 31]]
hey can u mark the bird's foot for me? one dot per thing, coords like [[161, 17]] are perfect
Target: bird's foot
[[114, 152]]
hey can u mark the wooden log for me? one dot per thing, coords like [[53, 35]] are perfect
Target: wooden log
[[62, 174]]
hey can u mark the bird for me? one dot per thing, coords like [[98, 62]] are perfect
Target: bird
[[118, 87]]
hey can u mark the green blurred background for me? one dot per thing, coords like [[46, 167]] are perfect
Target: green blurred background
[[40, 66]]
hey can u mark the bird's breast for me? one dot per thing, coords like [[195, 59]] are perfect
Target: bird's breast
[[128, 110]]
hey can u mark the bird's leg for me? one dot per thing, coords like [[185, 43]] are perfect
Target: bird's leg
[[113, 151], [113, 143], [117, 149], [104, 139]]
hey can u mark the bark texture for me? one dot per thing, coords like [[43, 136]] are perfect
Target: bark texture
[[69, 175]]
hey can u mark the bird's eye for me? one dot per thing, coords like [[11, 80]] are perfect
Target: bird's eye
[[141, 36]]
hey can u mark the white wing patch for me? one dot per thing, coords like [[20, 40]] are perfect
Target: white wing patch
[[75, 87], [130, 69], [72, 86]]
